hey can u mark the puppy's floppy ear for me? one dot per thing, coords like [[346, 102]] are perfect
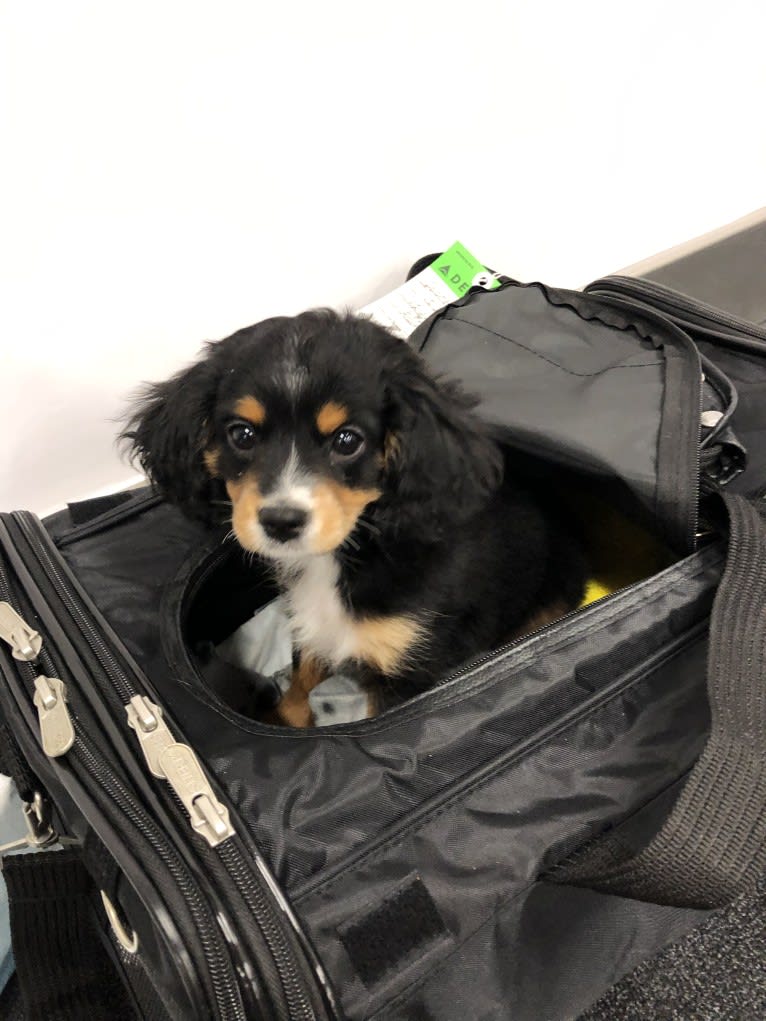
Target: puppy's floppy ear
[[441, 463], [168, 432]]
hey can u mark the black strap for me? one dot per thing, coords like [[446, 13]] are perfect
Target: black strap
[[64, 970], [713, 845], [11, 1007], [13, 764]]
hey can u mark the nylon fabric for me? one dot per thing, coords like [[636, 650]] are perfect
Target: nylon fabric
[[525, 789], [297, 798], [611, 375], [544, 955], [713, 845], [480, 854]]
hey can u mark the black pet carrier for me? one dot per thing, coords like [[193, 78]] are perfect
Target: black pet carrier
[[572, 826]]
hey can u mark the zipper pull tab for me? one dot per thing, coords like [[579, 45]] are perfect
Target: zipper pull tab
[[153, 733], [24, 641], [177, 763], [56, 727], [206, 813]]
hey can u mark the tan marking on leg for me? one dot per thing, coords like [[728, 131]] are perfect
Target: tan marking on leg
[[246, 501], [251, 409], [335, 512], [210, 457], [330, 417], [294, 709], [387, 642]]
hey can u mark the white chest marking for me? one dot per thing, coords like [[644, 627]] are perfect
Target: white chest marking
[[324, 627], [321, 623]]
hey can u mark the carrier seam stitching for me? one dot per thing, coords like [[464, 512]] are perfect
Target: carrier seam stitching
[[542, 357]]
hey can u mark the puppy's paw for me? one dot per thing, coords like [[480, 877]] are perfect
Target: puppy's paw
[[291, 711]]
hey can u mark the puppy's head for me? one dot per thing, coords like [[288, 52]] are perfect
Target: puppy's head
[[306, 424]]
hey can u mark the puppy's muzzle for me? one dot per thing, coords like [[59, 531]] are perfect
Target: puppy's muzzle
[[282, 522]]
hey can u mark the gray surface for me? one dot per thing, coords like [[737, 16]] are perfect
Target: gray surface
[[730, 273], [715, 973]]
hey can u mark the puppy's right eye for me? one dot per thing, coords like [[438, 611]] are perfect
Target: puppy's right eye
[[241, 436]]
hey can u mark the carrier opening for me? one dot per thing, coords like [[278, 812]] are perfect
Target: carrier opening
[[237, 628]]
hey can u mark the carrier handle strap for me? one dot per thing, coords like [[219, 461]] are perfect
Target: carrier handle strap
[[14, 765], [713, 845], [64, 970]]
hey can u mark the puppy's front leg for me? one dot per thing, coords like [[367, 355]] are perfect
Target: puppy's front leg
[[294, 709]]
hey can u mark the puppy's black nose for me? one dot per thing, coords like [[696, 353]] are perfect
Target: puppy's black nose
[[282, 522]]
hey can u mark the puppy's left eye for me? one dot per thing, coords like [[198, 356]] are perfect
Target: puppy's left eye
[[241, 435], [347, 443]]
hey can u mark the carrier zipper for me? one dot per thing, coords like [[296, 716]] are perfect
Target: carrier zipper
[[98, 647], [223, 985], [177, 763], [189, 784], [501, 649], [82, 750], [56, 726], [256, 899], [489, 656], [222, 978], [50, 698], [185, 777], [24, 641], [671, 302]]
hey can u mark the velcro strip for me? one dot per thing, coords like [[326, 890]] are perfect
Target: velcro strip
[[388, 934]]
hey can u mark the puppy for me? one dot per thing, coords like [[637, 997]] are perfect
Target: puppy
[[403, 542]]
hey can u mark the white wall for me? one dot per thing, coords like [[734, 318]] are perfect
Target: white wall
[[173, 170]]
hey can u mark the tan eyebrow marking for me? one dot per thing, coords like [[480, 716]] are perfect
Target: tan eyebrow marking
[[330, 416], [251, 409]]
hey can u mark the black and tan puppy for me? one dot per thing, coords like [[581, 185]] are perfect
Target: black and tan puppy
[[403, 543]]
